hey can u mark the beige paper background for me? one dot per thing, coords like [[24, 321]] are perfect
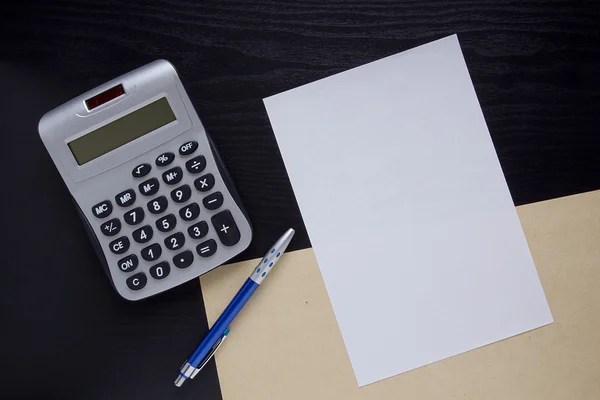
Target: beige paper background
[[286, 343]]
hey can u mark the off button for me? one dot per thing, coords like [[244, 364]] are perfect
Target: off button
[[137, 281]]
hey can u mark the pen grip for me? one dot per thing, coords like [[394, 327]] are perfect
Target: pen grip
[[223, 322]]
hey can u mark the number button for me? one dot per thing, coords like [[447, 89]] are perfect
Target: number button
[[128, 263], [183, 260], [149, 187], [190, 212], [103, 209], [164, 159], [120, 245], [137, 281], [126, 198], [207, 249], [172, 176], [134, 216], [181, 194], [160, 270], [151, 252], [143, 235], [175, 241], [166, 223], [111, 227], [141, 170], [199, 230], [196, 165], [213, 201], [158, 205], [188, 148], [226, 228], [205, 182]]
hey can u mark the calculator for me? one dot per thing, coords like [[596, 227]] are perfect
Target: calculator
[[148, 183]]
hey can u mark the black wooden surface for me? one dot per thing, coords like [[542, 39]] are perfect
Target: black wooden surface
[[534, 65]]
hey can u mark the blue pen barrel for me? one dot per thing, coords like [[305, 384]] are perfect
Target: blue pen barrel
[[216, 331]]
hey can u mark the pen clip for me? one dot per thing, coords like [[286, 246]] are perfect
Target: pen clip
[[212, 353]]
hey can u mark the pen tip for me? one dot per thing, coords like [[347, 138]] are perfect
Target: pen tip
[[179, 381]]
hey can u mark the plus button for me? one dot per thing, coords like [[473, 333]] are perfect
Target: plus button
[[224, 228]]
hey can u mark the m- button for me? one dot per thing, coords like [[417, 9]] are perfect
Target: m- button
[[103, 209]]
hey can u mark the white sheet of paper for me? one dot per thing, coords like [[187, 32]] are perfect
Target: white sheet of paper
[[408, 211]]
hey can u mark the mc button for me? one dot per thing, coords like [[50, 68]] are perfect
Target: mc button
[[103, 209]]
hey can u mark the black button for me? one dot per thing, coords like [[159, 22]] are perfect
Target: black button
[[207, 249], [213, 201], [128, 263], [141, 170], [165, 159], [126, 198], [135, 216], [103, 209], [151, 252], [172, 176], [226, 228], [181, 194], [111, 227], [205, 182], [188, 148], [166, 223], [183, 260], [160, 270], [120, 245], [137, 281], [199, 230], [149, 187], [190, 212], [158, 205], [196, 165], [143, 235], [175, 241]]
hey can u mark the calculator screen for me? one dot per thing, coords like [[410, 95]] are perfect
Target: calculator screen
[[121, 131]]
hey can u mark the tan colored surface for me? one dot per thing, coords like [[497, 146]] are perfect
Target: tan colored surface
[[286, 343]]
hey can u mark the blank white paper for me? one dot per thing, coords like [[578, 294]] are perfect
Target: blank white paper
[[407, 209]]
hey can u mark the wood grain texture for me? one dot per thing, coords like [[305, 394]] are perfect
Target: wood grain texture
[[534, 65]]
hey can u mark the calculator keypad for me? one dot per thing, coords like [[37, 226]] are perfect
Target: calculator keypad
[[165, 244]]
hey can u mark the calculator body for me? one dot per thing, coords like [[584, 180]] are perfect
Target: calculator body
[[148, 183]]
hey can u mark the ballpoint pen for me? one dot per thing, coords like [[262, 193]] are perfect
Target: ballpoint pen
[[219, 331]]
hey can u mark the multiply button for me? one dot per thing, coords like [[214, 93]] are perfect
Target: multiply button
[[137, 281], [165, 159], [126, 198], [149, 187], [205, 182], [188, 148], [196, 165], [103, 209], [120, 245], [172, 176], [213, 201], [141, 170], [111, 227], [226, 228]]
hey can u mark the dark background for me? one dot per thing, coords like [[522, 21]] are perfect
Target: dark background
[[535, 66]]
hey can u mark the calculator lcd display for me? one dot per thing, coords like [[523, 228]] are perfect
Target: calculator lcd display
[[121, 131]]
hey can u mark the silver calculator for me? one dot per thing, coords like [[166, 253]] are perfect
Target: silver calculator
[[148, 183]]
